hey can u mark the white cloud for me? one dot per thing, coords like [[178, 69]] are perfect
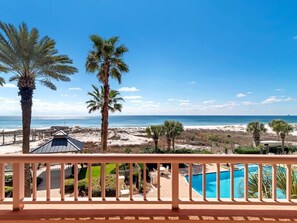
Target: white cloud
[[241, 95], [184, 103], [9, 86], [247, 103], [136, 101], [132, 97], [128, 89], [192, 83], [274, 99], [179, 100], [209, 102], [75, 89], [280, 89], [227, 105]]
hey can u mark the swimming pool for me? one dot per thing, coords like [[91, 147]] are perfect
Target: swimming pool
[[211, 182]]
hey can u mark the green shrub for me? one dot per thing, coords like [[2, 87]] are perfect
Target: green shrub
[[110, 186], [8, 191], [128, 150], [69, 185], [149, 150], [247, 150], [8, 180], [190, 151]]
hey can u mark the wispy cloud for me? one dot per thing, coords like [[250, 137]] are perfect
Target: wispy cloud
[[184, 103], [179, 100], [134, 97], [241, 95], [9, 86], [274, 99], [74, 89], [247, 103], [280, 89], [192, 83], [209, 102], [128, 89]]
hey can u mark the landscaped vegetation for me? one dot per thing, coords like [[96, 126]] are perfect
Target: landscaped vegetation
[[110, 179]]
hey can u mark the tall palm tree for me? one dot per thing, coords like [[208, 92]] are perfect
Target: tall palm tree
[[31, 59], [284, 129], [178, 128], [256, 128], [168, 129], [105, 59], [274, 125], [97, 101], [155, 132]]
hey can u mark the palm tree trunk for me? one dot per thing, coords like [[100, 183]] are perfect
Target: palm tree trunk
[[156, 144], [257, 138], [283, 143], [105, 119], [26, 104], [173, 143], [104, 129], [168, 143]]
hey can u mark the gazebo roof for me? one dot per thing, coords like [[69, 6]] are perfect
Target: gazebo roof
[[61, 143]]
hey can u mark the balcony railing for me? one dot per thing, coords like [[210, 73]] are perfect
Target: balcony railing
[[18, 162]]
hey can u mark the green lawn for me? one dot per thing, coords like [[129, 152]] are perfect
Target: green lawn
[[97, 169]]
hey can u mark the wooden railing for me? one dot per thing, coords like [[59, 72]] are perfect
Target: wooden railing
[[18, 200]]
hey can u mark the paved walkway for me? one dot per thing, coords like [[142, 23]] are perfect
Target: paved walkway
[[55, 181]]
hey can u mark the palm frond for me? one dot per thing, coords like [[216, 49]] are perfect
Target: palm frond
[[2, 81], [27, 55], [97, 100], [49, 84]]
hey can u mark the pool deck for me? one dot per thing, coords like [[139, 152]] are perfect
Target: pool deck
[[165, 182]]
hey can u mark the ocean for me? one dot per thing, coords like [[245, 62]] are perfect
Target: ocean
[[13, 122]]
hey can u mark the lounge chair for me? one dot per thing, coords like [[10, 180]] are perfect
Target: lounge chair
[[166, 171], [124, 192]]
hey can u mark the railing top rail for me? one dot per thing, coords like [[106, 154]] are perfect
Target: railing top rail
[[147, 158]]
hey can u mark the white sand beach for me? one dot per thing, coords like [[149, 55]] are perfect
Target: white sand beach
[[131, 136]]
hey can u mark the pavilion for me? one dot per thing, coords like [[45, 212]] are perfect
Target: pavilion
[[60, 143]]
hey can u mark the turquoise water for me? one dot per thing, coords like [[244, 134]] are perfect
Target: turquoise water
[[211, 182], [12, 122]]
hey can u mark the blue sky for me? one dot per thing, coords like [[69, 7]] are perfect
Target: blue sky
[[185, 57]]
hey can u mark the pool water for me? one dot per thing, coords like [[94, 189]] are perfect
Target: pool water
[[211, 182]]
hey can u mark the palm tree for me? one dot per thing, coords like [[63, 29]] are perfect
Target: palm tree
[[178, 128], [274, 125], [256, 128], [281, 179], [284, 129], [96, 103], [2, 69], [105, 59], [168, 129], [31, 59], [155, 132]]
